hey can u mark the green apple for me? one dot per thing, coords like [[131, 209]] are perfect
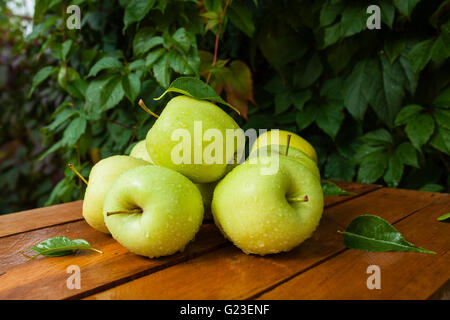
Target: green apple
[[139, 151], [295, 141], [292, 152], [183, 114], [101, 177], [162, 210], [268, 213]]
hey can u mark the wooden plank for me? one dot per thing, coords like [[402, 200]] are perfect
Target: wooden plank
[[14, 223], [404, 275], [358, 189], [230, 274], [46, 278], [392, 201], [15, 266]]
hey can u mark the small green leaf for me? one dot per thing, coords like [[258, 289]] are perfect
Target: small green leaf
[[180, 63], [195, 88], [394, 171], [311, 73], [407, 113], [387, 12], [405, 7], [144, 41], [43, 74], [161, 71], [443, 99], [282, 102], [442, 117], [420, 54], [65, 48], [441, 140], [59, 246], [241, 16], [331, 189], [300, 98], [419, 129], [338, 167], [104, 63], [407, 154], [432, 187], [444, 217], [329, 13], [131, 86], [373, 233], [183, 39], [372, 167], [355, 87], [74, 131], [307, 116], [136, 10], [380, 136], [112, 93], [329, 119], [136, 65], [153, 56]]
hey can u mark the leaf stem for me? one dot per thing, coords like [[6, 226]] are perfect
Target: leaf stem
[[216, 44], [77, 173], [288, 143], [298, 199], [144, 107]]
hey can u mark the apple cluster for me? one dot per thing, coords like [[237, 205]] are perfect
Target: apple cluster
[[154, 207]]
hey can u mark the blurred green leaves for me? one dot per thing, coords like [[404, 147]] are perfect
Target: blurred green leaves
[[374, 103]]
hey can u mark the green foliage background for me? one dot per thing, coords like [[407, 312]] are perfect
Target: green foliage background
[[374, 103]]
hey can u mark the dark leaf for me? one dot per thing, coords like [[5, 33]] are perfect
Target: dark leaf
[[373, 233], [331, 189], [195, 88]]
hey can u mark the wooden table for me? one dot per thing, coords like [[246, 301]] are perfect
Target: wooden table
[[212, 268]]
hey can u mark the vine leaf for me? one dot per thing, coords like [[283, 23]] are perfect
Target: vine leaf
[[373, 233], [444, 217], [58, 246], [197, 89], [331, 189]]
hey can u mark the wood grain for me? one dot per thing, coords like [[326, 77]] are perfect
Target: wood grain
[[404, 275], [357, 188], [45, 278], [392, 203], [230, 274], [40, 218]]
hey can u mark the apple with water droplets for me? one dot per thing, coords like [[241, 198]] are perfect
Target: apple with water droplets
[[101, 178], [153, 211], [268, 213]]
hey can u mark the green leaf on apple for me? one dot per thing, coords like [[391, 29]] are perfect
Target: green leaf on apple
[[373, 233], [58, 246], [331, 189], [195, 88], [444, 217]]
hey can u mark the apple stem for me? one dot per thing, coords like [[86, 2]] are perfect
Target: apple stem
[[298, 199], [144, 107], [71, 166], [136, 210], [287, 144]]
